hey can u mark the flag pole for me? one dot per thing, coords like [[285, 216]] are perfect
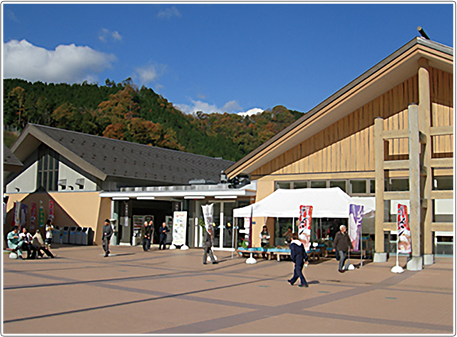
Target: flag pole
[[397, 269]]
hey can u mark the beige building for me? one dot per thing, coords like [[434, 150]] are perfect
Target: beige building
[[388, 137]]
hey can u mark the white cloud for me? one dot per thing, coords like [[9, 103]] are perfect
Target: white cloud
[[65, 64], [105, 34], [230, 107], [251, 112], [197, 106], [149, 73], [168, 13]]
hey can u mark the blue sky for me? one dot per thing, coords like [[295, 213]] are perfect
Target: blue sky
[[215, 57]]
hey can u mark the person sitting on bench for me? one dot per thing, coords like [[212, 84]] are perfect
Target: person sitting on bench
[[14, 242]]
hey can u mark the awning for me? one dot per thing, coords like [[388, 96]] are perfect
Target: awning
[[283, 203]]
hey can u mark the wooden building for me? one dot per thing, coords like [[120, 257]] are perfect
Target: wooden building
[[386, 135]]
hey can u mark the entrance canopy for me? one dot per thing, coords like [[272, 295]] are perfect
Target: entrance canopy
[[326, 202]]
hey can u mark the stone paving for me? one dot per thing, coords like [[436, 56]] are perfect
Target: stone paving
[[172, 292]]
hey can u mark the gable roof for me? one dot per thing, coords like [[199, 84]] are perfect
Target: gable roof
[[391, 71], [10, 162], [105, 157]]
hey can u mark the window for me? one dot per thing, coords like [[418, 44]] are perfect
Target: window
[[318, 184], [357, 186], [284, 185], [443, 183], [398, 184], [300, 184], [338, 183], [48, 169]]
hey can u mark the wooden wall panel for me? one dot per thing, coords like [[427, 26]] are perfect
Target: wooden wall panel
[[347, 144]]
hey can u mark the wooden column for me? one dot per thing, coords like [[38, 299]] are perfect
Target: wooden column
[[380, 255], [415, 263], [426, 154]]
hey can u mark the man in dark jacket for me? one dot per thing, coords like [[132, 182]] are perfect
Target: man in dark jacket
[[106, 236], [146, 232], [207, 244], [163, 236], [298, 256], [342, 243]]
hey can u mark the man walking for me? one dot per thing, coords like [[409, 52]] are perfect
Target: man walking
[[342, 243], [298, 256], [106, 236], [207, 244]]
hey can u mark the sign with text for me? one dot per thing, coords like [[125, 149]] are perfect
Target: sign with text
[[403, 231], [304, 227], [179, 228]]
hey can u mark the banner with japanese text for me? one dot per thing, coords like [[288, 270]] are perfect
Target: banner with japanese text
[[208, 215], [51, 210], [41, 219], [403, 230], [17, 214], [304, 227], [355, 225], [32, 215]]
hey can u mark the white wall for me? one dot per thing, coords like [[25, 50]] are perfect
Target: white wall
[[66, 172], [25, 181]]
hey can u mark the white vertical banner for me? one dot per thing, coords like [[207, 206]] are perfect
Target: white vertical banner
[[179, 228], [208, 215]]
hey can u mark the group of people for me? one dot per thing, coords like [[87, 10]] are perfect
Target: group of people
[[37, 247], [34, 245], [147, 234]]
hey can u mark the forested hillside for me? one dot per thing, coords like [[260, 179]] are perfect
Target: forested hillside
[[123, 111]]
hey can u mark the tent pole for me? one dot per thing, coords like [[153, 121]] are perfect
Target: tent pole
[[233, 234], [361, 248]]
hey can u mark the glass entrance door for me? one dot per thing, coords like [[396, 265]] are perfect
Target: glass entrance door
[[223, 224]]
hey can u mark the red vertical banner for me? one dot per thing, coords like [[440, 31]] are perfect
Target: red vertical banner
[[32, 215], [304, 227], [51, 210], [403, 230]]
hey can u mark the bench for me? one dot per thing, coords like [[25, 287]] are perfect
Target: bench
[[250, 251]]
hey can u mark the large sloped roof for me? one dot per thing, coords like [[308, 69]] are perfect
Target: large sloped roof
[[103, 157]]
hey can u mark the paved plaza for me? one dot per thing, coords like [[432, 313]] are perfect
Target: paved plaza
[[172, 292]]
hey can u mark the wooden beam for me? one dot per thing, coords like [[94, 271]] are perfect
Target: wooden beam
[[442, 162], [441, 130], [442, 194], [389, 226], [396, 165], [442, 227], [396, 196], [391, 134]]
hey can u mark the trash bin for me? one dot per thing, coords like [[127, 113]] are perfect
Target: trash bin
[[78, 236], [56, 234], [66, 234], [90, 236], [72, 236], [84, 236]]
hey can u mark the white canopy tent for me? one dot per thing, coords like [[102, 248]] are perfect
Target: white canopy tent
[[283, 203]]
